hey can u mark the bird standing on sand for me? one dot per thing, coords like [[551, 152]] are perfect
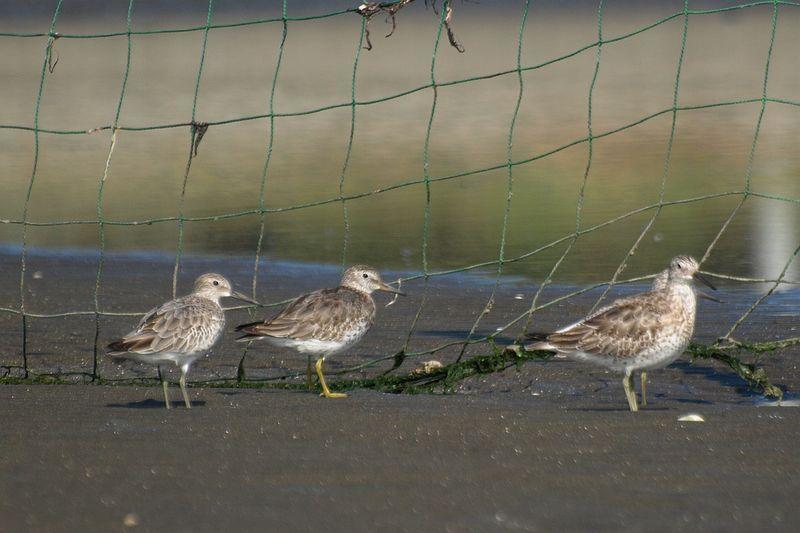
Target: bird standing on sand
[[179, 331], [660, 281], [638, 333], [324, 322]]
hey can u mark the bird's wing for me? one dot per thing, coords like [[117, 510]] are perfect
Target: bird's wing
[[176, 326], [317, 315], [623, 329]]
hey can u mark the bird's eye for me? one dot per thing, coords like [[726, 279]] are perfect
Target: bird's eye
[[365, 275], [216, 282]]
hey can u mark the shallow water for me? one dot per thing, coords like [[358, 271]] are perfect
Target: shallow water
[[724, 61], [788, 400]]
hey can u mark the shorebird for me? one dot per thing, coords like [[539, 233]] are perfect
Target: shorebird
[[324, 322], [638, 333], [179, 331], [660, 281]]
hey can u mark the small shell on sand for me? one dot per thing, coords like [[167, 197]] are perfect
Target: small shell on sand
[[427, 368], [691, 417]]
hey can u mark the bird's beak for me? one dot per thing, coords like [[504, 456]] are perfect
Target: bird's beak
[[704, 279], [239, 296], [707, 296], [386, 288]]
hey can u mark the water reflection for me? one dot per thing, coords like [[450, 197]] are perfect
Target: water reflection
[[777, 225], [469, 133]]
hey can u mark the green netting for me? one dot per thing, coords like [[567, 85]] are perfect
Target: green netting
[[195, 131]]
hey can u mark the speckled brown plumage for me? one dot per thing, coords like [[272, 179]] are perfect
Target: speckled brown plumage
[[660, 281], [324, 322], [334, 315], [184, 326], [637, 333], [180, 330], [630, 327]]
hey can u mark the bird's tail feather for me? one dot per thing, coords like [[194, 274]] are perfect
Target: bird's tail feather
[[117, 347], [251, 331], [538, 341], [544, 346], [249, 337]]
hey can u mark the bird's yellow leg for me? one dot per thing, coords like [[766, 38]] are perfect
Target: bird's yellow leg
[[644, 389], [325, 390], [627, 383], [165, 386], [185, 394]]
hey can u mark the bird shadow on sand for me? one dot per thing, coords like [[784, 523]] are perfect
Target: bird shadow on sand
[[460, 334], [724, 377], [692, 401], [153, 404]]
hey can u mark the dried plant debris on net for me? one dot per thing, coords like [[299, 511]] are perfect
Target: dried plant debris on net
[[369, 10]]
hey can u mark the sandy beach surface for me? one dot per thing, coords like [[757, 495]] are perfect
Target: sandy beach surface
[[550, 446], [97, 458]]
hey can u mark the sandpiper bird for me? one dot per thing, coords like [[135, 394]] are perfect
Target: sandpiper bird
[[179, 331], [660, 281], [324, 322], [638, 333]]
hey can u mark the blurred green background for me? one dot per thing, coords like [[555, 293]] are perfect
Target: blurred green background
[[725, 59]]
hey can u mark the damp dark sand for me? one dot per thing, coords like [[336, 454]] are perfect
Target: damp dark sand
[[549, 447], [83, 458]]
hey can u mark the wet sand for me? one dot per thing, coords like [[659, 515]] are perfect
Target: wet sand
[[84, 458], [548, 447], [133, 283]]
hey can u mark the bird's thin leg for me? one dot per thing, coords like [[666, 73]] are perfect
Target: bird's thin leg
[[184, 370], [644, 388], [309, 375], [627, 382], [325, 390], [165, 386]]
